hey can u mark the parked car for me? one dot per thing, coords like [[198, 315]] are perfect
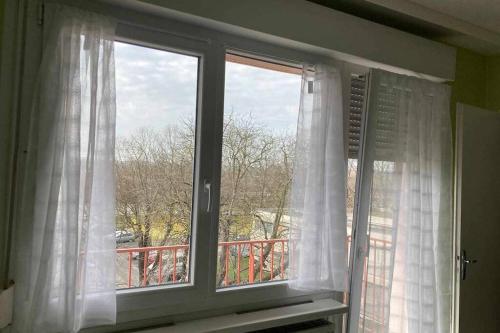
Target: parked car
[[123, 236]]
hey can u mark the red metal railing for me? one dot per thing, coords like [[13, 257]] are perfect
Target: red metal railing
[[266, 257], [373, 295], [153, 256], [267, 252]]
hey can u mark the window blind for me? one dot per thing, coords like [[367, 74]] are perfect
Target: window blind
[[356, 107], [383, 109]]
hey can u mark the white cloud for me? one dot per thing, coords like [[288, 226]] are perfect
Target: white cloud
[[272, 98], [154, 88], [158, 89]]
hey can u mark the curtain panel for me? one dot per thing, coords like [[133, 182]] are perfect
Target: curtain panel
[[407, 281], [318, 195], [65, 255]]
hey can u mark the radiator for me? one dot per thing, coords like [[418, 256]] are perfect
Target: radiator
[[312, 326]]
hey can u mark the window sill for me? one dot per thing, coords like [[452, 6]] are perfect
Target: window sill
[[257, 320]]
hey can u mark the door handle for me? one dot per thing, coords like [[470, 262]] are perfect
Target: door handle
[[464, 261]]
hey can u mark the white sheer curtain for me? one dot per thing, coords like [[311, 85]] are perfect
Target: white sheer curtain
[[65, 259], [408, 273], [318, 194]]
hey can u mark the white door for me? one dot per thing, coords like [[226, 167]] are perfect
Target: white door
[[478, 220]]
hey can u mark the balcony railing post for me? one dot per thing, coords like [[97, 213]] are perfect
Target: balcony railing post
[[174, 270], [282, 259], [226, 264], [272, 260], [160, 268], [145, 261], [261, 264], [238, 265], [251, 263], [129, 269]]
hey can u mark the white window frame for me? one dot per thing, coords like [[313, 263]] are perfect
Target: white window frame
[[131, 301], [200, 297]]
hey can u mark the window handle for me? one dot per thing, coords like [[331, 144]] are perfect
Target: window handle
[[207, 187]]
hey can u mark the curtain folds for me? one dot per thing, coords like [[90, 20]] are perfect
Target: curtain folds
[[408, 274], [65, 260], [318, 195]]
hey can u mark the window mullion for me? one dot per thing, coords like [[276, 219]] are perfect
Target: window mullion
[[210, 142]]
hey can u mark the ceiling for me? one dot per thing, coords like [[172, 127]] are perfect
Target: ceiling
[[483, 13], [472, 24]]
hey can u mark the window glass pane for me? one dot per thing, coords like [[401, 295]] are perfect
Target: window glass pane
[[352, 174], [260, 119], [156, 94], [377, 266]]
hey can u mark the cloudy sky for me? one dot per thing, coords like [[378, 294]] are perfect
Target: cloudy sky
[[156, 89]]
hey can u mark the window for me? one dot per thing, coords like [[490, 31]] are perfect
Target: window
[[376, 285], [381, 206], [155, 149], [261, 105], [205, 144]]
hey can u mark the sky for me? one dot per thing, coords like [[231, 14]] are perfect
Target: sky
[[156, 89]]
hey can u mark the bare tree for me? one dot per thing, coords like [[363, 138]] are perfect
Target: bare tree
[[274, 178], [154, 189], [155, 185], [256, 178]]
